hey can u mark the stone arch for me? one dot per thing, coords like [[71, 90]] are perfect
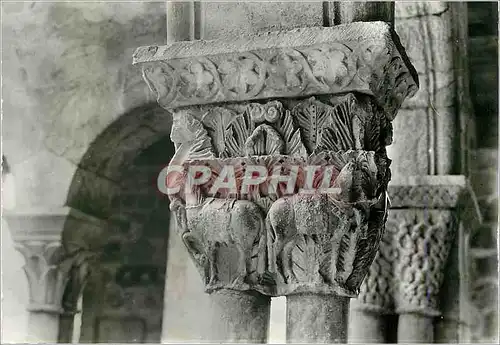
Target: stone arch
[[114, 240]]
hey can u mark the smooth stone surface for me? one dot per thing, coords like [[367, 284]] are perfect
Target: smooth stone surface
[[377, 31], [43, 327], [238, 317], [349, 12], [415, 328], [180, 21], [247, 17], [366, 327], [312, 318], [424, 141]]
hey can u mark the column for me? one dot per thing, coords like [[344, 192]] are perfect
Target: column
[[37, 236], [180, 20], [258, 124], [53, 257], [369, 11]]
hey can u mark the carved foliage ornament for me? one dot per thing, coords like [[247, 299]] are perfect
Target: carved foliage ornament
[[319, 70], [284, 253], [338, 123], [46, 279], [320, 61]]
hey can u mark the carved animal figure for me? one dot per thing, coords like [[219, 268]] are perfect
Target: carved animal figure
[[317, 214], [214, 222], [288, 219]]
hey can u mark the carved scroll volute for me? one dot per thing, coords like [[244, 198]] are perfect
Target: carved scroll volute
[[311, 98]]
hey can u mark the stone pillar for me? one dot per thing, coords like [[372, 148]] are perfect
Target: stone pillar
[[286, 132], [38, 236], [180, 21], [367, 11], [433, 139], [316, 317]]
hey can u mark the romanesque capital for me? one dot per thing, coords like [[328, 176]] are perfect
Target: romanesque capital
[[428, 215], [279, 179], [49, 263]]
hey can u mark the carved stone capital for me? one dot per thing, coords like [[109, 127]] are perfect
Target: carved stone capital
[[428, 216], [38, 236], [282, 104], [312, 239]]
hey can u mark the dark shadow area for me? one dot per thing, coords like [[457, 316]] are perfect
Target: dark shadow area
[[117, 184], [483, 70]]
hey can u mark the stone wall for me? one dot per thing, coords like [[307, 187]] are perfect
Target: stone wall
[[483, 64], [67, 76], [439, 117], [484, 256]]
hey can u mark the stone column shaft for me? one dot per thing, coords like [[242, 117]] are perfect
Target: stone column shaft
[[373, 330], [315, 318], [180, 21], [364, 11], [411, 328], [43, 327], [239, 317]]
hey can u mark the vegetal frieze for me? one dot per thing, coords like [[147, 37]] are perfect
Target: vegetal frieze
[[297, 63]]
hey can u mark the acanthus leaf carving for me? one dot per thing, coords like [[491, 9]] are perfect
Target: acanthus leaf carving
[[216, 120], [312, 117], [264, 141], [237, 133], [339, 135], [46, 278], [291, 136]]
